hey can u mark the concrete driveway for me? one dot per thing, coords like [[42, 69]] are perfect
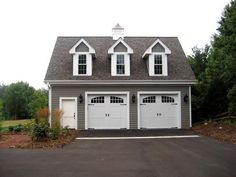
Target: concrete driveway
[[182, 157]]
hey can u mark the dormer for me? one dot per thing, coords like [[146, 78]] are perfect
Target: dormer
[[82, 58], [120, 53], [157, 58]]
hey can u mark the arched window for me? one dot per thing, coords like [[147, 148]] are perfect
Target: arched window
[[167, 99], [99, 99], [150, 99], [115, 99]]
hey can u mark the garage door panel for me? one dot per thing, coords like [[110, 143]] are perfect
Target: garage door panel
[[159, 111], [108, 113]]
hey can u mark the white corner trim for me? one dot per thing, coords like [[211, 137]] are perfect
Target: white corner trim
[[149, 50], [76, 106], [91, 49], [107, 93], [159, 92], [120, 40], [190, 107], [50, 105]]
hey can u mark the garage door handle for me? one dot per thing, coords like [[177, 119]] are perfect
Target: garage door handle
[[74, 115], [142, 104]]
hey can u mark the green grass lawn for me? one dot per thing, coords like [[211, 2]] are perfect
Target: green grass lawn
[[7, 123]]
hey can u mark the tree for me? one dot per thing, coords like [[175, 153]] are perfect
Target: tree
[[16, 98], [38, 101], [216, 71], [198, 60]]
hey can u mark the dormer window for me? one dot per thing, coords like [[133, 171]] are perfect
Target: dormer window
[[120, 64], [82, 64], [120, 58], [156, 59], [158, 64], [82, 58]]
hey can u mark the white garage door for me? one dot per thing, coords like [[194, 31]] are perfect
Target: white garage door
[[107, 112], [159, 111]]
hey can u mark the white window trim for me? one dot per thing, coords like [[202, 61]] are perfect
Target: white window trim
[[88, 64], [106, 93], [73, 49], [76, 110], [151, 64], [120, 40], [114, 64], [160, 93], [149, 50]]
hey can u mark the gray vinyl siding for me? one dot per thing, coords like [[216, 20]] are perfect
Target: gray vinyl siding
[[120, 48], [75, 91], [82, 48], [158, 48]]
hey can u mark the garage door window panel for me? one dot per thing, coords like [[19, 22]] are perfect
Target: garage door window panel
[[167, 99], [115, 99], [150, 99], [99, 99]]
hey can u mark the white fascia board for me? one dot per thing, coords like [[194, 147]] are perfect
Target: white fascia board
[[120, 40], [91, 49], [149, 50], [123, 82]]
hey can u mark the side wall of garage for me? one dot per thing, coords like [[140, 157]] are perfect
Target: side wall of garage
[[75, 90]]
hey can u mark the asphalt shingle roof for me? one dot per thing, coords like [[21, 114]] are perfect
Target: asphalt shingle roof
[[61, 63]]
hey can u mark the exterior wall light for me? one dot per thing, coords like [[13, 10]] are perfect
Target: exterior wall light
[[186, 98], [80, 98], [133, 98]]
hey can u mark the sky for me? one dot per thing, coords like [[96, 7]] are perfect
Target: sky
[[29, 28]]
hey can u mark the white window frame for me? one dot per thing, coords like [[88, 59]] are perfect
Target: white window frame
[[160, 93], [114, 64], [151, 64], [76, 64]]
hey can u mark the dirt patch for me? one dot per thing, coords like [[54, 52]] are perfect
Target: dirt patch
[[24, 141], [13, 140], [218, 131]]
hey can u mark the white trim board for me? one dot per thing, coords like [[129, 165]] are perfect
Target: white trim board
[[106, 93], [157, 93], [139, 137], [76, 108], [122, 82]]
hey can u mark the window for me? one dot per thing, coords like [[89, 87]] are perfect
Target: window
[[158, 64], [120, 64], [115, 99], [150, 99], [167, 99], [99, 99], [82, 64]]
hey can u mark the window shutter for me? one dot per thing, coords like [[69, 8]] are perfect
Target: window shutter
[[127, 64], [75, 64], [113, 65], [151, 65], [89, 64]]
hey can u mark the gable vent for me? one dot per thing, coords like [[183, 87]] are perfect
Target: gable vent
[[117, 32]]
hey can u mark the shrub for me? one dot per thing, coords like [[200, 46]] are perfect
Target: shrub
[[28, 126], [18, 128], [42, 115], [57, 113], [55, 133], [66, 131], [232, 99], [40, 131], [10, 128]]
